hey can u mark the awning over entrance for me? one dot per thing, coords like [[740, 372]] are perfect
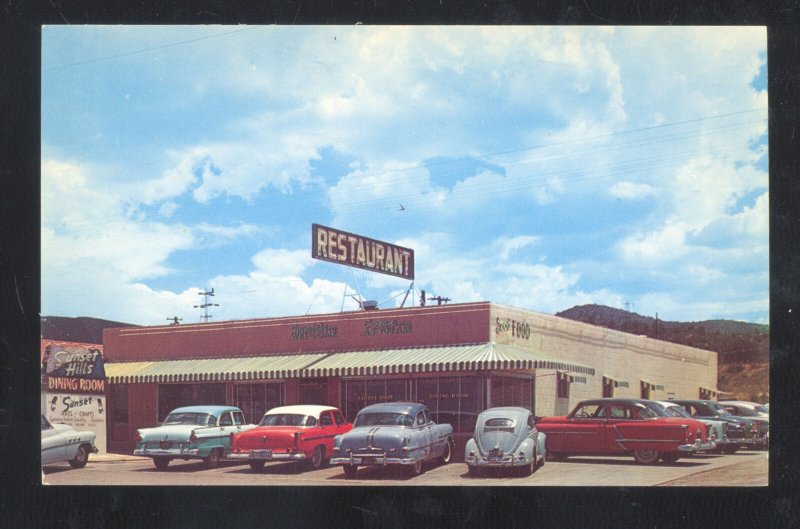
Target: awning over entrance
[[616, 382], [435, 359], [484, 356], [210, 370]]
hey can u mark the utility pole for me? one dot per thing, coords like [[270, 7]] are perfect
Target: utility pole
[[206, 304], [175, 320]]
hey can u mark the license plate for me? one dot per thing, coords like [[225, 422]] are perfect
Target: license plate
[[369, 460], [165, 444], [260, 454], [495, 458]]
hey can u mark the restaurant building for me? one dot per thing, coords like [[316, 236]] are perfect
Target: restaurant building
[[458, 359]]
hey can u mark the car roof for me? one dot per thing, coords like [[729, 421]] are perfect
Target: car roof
[[411, 408], [213, 409], [301, 409], [619, 400], [505, 411], [746, 403]]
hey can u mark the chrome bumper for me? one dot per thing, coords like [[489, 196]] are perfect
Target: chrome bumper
[[697, 447], [478, 461], [170, 452], [373, 460], [283, 456]]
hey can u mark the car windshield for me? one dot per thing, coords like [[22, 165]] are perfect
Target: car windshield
[[288, 419], [499, 425], [652, 410], [195, 419], [741, 411], [384, 419], [676, 411], [717, 409]]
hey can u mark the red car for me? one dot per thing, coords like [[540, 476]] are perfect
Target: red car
[[291, 433], [624, 426]]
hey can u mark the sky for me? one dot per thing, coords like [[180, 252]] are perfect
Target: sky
[[539, 167]]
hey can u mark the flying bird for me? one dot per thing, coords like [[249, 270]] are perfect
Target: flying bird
[[402, 208]]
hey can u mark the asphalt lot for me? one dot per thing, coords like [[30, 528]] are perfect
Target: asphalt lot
[[745, 468]]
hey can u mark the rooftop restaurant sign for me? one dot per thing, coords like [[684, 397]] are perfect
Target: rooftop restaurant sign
[[336, 246]]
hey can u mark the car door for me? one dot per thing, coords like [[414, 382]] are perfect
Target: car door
[[342, 426], [54, 446], [584, 431], [327, 430], [424, 425], [619, 424], [226, 428]]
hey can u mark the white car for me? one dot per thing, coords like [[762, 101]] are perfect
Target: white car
[[60, 442], [717, 430]]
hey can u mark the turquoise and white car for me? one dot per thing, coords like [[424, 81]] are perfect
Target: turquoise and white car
[[60, 442], [192, 432]]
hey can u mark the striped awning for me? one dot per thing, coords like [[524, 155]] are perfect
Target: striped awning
[[486, 356], [210, 369]]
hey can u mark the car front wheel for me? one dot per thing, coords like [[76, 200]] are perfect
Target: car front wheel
[[81, 457], [415, 469], [646, 456], [350, 471]]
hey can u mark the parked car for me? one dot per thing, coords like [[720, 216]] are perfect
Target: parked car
[[717, 429], [505, 437], [745, 432], [393, 433], [192, 432], [291, 433], [60, 442], [753, 411], [746, 408], [618, 426]]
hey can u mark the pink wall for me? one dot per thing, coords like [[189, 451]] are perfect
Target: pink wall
[[349, 331]]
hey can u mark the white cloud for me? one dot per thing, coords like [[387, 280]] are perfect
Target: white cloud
[[631, 191]]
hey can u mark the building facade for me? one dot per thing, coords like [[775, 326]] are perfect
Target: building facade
[[458, 359]]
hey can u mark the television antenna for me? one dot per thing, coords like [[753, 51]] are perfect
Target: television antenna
[[205, 317]]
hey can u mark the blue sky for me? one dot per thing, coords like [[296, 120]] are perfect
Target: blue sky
[[540, 167]]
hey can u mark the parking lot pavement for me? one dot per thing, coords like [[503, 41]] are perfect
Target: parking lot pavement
[[747, 468]]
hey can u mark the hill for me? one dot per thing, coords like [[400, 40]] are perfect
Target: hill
[[82, 330], [743, 348]]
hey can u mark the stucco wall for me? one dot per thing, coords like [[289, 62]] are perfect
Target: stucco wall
[[680, 369]]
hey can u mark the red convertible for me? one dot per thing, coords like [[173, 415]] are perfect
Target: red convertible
[[291, 433], [624, 426]]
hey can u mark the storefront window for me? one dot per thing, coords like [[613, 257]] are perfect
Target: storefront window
[[452, 400], [512, 391], [360, 393], [258, 398], [171, 396], [314, 392]]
